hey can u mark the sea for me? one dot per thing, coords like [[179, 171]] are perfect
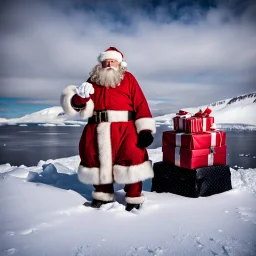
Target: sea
[[27, 145]]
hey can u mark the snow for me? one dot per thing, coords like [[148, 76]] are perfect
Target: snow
[[237, 113], [46, 125], [42, 214], [242, 112]]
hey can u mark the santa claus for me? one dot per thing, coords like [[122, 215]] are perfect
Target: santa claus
[[113, 145]]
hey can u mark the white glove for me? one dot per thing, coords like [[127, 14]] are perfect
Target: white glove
[[84, 90]]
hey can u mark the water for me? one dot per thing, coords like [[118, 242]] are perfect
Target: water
[[29, 144]]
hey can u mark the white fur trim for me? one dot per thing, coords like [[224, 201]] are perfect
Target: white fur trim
[[65, 100], [105, 153], [110, 55], [88, 110], [92, 91], [88, 175], [135, 200], [145, 123], [132, 174], [102, 196], [117, 116], [124, 64]]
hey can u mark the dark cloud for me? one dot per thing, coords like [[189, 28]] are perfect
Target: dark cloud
[[189, 52]]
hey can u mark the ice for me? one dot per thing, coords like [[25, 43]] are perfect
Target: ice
[[46, 125], [6, 168], [245, 155]]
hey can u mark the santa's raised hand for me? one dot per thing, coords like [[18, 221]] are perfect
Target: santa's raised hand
[[84, 90]]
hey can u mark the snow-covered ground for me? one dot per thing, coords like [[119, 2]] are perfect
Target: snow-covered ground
[[42, 214]]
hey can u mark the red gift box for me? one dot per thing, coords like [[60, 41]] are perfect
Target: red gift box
[[193, 124], [194, 158], [198, 122], [194, 140]]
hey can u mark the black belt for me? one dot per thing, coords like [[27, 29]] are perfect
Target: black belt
[[102, 116]]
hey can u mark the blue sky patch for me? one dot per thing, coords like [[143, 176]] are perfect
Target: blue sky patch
[[18, 107]]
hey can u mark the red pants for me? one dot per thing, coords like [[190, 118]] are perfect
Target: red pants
[[132, 190]]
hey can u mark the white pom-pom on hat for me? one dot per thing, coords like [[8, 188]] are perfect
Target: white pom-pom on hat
[[112, 53], [123, 64]]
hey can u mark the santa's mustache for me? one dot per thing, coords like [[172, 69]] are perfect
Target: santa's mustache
[[111, 68]]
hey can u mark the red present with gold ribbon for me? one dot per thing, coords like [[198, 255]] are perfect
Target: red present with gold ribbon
[[194, 140], [191, 123]]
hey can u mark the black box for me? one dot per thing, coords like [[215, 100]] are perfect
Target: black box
[[197, 182]]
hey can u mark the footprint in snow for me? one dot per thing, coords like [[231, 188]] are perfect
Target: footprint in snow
[[144, 250], [73, 210], [247, 214], [82, 251], [199, 244]]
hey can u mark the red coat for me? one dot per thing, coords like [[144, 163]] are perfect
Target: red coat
[[108, 150]]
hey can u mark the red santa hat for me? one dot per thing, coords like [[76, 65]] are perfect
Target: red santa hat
[[112, 53]]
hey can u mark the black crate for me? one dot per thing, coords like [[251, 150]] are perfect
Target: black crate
[[197, 182]]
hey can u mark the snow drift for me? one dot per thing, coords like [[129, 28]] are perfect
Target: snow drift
[[42, 214]]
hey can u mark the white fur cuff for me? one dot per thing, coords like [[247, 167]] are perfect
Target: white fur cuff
[[135, 200], [88, 175], [65, 100], [88, 110], [102, 196], [145, 123], [132, 174]]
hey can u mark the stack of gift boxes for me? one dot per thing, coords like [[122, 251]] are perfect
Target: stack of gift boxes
[[195, 141], [194, 157]]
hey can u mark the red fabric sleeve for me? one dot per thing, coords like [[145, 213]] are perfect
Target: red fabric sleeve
[[140, 104], [146, 130], [78, 102]]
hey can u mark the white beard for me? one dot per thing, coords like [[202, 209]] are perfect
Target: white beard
[[108, 77]]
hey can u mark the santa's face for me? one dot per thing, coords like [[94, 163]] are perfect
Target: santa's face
[[110, 64], [108, 73]]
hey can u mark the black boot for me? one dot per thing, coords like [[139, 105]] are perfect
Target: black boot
[[97, 203], [129, 207]]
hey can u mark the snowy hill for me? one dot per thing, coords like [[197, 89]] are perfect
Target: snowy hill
[[42, 213], [238, 110], [48, 115]]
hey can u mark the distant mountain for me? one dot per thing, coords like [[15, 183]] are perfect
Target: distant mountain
[[237, 110], [48, 115]]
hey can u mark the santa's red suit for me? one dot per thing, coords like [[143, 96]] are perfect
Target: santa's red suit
[[108, 150]]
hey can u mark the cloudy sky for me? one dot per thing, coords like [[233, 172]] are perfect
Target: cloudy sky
[[186, 53]]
